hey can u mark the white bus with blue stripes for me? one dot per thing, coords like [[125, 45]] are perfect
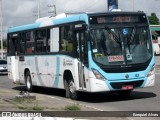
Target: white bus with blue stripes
[[89, 52]]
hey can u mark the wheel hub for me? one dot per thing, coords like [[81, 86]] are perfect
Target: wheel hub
[[72, 87]]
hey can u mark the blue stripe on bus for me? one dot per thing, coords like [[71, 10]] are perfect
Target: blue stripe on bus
[[81, 17], [24, 27], [56, 81], [84, 17], [66, 20]]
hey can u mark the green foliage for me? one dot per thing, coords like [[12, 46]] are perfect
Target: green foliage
[[37, 107], [72, 108], [153, 19], [27, 104], [22, 100]]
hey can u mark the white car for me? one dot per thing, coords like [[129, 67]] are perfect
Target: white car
[[3, 66]]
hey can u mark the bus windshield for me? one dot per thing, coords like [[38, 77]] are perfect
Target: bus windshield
[[117, 45]]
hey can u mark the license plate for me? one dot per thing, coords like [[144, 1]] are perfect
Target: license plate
[[127, 87]]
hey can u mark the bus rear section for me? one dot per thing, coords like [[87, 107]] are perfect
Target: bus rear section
[[12, 58]]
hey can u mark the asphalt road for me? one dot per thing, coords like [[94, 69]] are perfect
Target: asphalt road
[[146, 99], [140, 99]]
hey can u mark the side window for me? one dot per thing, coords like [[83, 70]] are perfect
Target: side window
[[3, 62], [48, 40], [29, 42], [13, 44], [22, 43], [41, 41], [10, 45], [66, 38]]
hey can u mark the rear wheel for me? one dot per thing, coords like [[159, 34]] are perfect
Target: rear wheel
[[72, 90], [28, 82]]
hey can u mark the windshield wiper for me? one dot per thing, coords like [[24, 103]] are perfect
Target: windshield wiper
[[132, 35], [117, 39]]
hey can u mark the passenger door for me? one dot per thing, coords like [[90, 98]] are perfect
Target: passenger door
[[81, 55]]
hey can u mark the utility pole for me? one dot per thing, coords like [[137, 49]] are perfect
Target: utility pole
[[133, 4], [1, 23], [52, 11], [38, 10]]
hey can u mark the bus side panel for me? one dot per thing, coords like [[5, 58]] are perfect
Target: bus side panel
[[21, 71], [9, 63], [41, 66], [53, 71], [12, 62], [66, 64], [27, 64]]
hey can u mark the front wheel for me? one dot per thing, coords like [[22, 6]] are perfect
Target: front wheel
[[71, 90], [28, 82]]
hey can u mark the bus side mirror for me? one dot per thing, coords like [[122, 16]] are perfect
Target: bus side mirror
[[81, 26]]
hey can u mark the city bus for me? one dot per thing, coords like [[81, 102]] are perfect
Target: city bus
[[87, 52]]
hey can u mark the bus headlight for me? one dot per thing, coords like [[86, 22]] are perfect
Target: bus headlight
[[151, 72], [98, 75]]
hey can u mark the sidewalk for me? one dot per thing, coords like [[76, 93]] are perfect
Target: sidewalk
[[9, 102], [157, 60], [42, 103], [157, 64]]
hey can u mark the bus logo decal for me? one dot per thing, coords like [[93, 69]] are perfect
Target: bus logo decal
[[64, 62], [67, 62]]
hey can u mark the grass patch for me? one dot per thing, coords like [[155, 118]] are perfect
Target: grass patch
[[72, 108], [37, 107], [23, 100], [27, 104]]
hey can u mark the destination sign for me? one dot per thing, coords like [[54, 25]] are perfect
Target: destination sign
[[108, 19]]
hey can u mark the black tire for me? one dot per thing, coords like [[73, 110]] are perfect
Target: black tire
[[70, 89], [28, 80], [67, 88], [124, 93]]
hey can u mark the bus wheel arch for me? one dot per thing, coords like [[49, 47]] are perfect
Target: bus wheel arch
[[69, 85], [28, 80]]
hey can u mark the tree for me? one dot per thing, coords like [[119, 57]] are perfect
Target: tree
[[153, 19]]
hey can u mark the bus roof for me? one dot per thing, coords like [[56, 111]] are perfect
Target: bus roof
[[60, 19], [49, 21]]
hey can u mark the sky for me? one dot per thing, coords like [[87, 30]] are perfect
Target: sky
[[20, 12]]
